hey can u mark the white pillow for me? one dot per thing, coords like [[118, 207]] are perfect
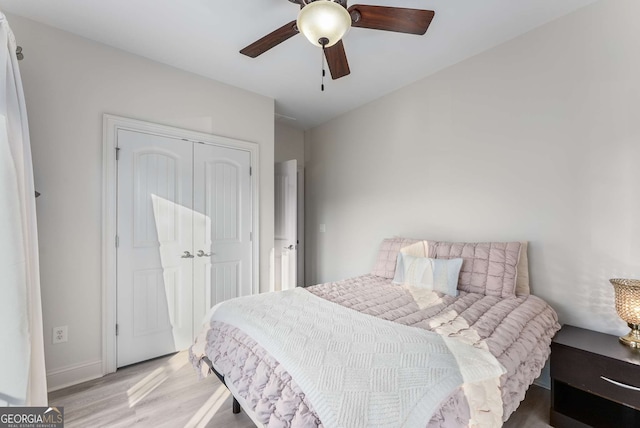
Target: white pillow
[[419, 249], [522, 278], [434, 274]]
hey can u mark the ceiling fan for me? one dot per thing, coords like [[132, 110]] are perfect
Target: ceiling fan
[[325, 22]]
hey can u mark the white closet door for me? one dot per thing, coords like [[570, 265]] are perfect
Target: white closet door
[[154, 279], [286, 226], [221, 226]]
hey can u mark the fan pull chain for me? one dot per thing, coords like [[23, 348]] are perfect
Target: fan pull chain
[[323, 42], [323, 72]]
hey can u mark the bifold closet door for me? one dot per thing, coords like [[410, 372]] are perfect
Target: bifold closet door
[[222, 235], [185, 239], [154, 258]]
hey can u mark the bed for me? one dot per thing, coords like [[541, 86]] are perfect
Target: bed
[[498, 334]]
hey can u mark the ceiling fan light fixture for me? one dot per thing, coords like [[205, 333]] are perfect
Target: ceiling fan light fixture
[[324, 19]]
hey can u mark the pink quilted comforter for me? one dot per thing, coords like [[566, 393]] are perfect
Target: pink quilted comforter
[[516, 330]]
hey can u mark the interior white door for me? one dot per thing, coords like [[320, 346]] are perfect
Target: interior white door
[[286, 229], [154, 264], [222, 235]]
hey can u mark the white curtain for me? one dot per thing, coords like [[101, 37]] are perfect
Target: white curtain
[[22, 371]]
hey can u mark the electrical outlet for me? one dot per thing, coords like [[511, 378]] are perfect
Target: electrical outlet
[[323, 228], [60, 334]]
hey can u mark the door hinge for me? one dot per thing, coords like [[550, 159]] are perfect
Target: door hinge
[[117, 153], [117, 329], [117, 241], [250, 171]]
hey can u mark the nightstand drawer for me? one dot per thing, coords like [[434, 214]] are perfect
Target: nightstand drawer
[[587, 371]]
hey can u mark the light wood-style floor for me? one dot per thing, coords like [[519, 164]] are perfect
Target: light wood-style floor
[[165, 392]]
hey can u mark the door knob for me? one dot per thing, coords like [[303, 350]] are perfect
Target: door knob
[[187, 255], [203, 254], [290, 247]]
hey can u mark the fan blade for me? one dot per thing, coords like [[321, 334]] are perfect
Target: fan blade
[[271, 40], [398, 19], [337, 60]]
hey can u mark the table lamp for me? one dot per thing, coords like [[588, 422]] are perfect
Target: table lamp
[[628, 308]]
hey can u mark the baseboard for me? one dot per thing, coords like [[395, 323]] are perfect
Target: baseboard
[[544, 380], [542, 383], [73, 375]]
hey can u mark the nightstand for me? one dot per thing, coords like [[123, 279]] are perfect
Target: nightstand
[[595, 380]]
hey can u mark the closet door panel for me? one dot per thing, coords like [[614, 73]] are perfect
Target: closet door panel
[[154, 281], [222, 226]]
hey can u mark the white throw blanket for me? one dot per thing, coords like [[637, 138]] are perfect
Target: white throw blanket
[[357, 370]]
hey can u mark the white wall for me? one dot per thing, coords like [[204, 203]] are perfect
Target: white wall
[[289, 143], [69, 83], [537, 139]]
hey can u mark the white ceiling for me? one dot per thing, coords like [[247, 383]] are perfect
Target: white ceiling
[[204, 37]]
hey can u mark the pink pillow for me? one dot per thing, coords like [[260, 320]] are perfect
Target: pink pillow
[[385, 265], [488, 268]]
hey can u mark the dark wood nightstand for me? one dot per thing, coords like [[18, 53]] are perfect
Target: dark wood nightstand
[[595, 380]]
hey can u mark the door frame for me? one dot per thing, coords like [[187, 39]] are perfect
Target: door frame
[[300, 282], [111, 124]]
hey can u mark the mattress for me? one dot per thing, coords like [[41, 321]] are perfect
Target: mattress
[[516, 330]]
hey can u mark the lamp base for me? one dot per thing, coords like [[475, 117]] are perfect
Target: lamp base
[[632, 339]]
